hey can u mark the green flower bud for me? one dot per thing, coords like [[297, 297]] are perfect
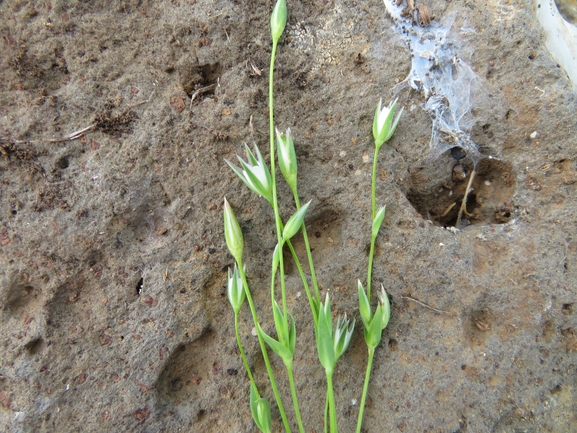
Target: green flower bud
[[260, 409], [235, 289], [325, 344], [294, 223], [343, 333], [378, 221], [287, 158], [278, 20], [233, 233], [383, 124], [385, 305], [364, 305]]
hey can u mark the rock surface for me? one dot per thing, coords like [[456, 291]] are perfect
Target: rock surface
[[113, 303]]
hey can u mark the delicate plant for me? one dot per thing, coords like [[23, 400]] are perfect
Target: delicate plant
[[331, 341]]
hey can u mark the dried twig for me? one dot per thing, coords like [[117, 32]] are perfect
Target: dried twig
[[199, 91], [422, 304], [147, 100], [464, 203], [73, 135]]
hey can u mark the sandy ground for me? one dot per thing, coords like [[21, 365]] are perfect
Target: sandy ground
[[113, 262]]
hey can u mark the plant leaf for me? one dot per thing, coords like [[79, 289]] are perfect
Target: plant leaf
[[277, 347]]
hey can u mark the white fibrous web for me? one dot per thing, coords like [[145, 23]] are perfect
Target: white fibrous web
[[444, 80]]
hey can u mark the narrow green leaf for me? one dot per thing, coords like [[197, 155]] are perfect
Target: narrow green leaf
[[276, 258], [378, 221], [292, 335], [277, 347]]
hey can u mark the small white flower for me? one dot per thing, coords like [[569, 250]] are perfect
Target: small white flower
[[254, 173], [383, 124]]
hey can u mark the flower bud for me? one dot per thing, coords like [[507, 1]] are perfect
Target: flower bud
[[383, 124], [294, 223], [235, 289], [260, 409], [364, 305], [287, 159], [385, 304], [343, 334], [278, 20], [233, 233]]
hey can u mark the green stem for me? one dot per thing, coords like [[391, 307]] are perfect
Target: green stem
[[374, 185], [309, 253], [243, 356], [278, 221], [373, 214], [303, 278], [263, 350], [289, 369], [365, 388], [305, 282], [370, 266], [332, 408], [327, 412]]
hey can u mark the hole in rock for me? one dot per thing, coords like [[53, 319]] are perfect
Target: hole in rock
[[200, 77], [139, 286], [63, 162], [36, 346], [437, 191]]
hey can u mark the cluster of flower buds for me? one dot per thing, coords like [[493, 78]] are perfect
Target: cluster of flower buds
[[331, 344], [374, 323]]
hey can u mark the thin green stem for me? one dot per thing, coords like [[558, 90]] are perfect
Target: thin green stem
[[374, 185], [373, 215], [289, 369], [243, 356], [277, 218], [332, 407], [309, 253], [327, 412], [272, 281], [365, 388], [263, 350], [370, 266], [303, 278]]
